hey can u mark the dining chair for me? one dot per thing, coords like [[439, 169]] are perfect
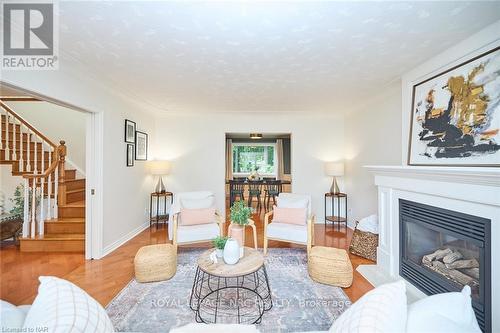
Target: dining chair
[[272, 188], [236, 189], [255, 191]]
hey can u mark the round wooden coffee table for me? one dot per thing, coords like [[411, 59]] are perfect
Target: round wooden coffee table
[[229, 294]]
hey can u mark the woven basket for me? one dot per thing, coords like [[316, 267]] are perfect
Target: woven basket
[[364, 244], [155, 263], [331, 266]]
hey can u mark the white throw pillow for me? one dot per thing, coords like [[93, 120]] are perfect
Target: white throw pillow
[[61, 306], [207, 202], [448, 312], [380, 310], [11, 317]]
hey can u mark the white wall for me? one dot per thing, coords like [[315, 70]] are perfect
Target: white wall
[[125, 191], [57, 123], [195, 144], [373, 137]]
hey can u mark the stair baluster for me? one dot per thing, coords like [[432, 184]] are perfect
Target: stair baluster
[[49, 190], [42, 185], [21, 151], [28, 166], [35, 166], [14, 139], [33, 208], [26, 220], [7, 145], [56, 193], [1, 129]]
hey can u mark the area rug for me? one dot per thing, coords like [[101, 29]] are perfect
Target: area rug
[[299, 303]]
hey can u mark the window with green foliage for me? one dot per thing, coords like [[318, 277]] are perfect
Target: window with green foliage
[[248, 157]]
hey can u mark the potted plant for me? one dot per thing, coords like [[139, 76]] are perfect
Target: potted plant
[[239, 215], [219, 242]]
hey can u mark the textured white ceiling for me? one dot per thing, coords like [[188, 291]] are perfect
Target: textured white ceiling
[[260, 56]]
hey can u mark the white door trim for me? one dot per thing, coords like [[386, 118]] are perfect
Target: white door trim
[[94, 186]]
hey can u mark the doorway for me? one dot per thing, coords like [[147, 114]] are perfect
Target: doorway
[[258, 168], [66, 205]]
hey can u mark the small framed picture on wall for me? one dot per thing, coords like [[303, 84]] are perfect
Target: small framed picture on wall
[[130, 155], [141, 146], [129, 131]]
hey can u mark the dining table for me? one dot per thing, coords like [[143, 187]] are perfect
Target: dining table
[[264, 181]]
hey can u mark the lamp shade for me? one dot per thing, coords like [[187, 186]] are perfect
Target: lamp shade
[[334, 168], [159, 168]]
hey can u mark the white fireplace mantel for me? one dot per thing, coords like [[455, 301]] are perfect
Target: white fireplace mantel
[[474, 191], [481, 185], [464, 175]]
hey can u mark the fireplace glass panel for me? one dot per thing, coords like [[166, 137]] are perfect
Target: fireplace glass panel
[[456, 260]]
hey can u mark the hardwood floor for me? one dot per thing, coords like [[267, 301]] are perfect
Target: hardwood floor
[[104, 278]]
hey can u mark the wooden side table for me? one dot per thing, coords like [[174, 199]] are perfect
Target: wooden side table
[[336, 216], [158, 217]]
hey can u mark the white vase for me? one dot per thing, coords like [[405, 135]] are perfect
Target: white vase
[[231, 252], [219, 253]]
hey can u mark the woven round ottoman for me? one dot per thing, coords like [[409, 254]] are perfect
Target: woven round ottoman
[[155, 263], [331, 266]]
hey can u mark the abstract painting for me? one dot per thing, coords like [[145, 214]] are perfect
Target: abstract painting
[[455, 117]]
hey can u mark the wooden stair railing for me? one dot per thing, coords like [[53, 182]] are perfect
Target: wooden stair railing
[[13, 130]]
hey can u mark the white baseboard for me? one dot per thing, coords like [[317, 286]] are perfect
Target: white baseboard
[[125, 238]]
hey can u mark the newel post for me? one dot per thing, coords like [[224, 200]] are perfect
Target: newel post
[[61, 150]]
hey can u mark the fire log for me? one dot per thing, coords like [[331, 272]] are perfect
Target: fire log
[[452, 257], [470, 263], [472, 272], [436, 255], [453, 274]]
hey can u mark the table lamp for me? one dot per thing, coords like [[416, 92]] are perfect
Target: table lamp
[[159, 168], [334, 169]]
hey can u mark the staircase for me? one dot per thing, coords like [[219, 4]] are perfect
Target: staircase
[[54, 205]]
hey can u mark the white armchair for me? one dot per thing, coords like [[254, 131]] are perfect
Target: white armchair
[[181, 234], [286, 232]]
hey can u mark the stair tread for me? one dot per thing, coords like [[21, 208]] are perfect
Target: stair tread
[[57, 237], [75, 190], [63, 236], [77, 204], [74, 180], [67, 219]]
